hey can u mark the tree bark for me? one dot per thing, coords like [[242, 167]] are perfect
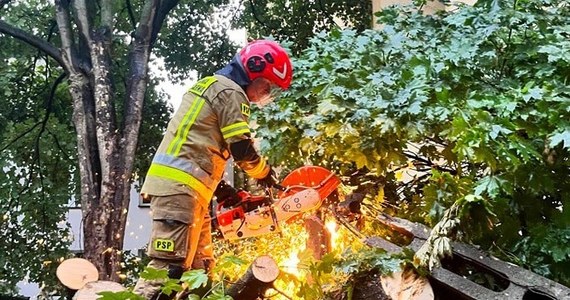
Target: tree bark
[[258, 278], [92, 289]]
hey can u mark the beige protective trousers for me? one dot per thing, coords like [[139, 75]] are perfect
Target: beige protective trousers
[[180, 238]]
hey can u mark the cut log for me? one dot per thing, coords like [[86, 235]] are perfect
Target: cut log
[[368, 286], [90, 290], [258, 278], [407, 285], [404, 285], [319, 241], [74, 273]]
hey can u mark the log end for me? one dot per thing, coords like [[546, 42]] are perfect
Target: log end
[[265, 269], [74, 273], [407, 285]]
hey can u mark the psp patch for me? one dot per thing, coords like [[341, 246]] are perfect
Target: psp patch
[[245, 109], [163, 245]]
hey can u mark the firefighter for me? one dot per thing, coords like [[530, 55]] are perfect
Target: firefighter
[[209, 127]]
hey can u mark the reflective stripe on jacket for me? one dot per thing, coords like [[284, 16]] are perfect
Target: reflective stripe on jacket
[[194, 150]]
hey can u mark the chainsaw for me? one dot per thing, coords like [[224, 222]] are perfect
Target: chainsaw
[[303, 190]]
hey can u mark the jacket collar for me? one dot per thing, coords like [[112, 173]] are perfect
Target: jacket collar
[[235, 71]]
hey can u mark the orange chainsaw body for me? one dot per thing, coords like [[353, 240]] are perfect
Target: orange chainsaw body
[[304, 190]]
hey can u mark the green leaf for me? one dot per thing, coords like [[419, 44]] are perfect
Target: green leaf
[[228, 261], [498, 129], [170, 286], [195, 278], [488, 184], [556, 52], [218, 295], [332, 129], [123, 295], [358, 157], [326, 106], [347, 131], [533, 93], [194, 297], [150, 273], [327, 262], [561, 137], [472, 198]]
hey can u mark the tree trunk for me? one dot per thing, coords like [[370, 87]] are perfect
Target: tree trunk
[[105, 179], [258, 278], [106, 151]]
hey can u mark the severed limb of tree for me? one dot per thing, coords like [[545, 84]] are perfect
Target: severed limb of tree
[[319, 241], [258, 278]]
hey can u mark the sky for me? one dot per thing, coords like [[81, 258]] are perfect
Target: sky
[[176, 91]]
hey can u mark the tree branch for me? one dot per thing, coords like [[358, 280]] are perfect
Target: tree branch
[[51, 30], [66, 36], [83, 21], [255, 15], [131, 14], [21, 135], [163, 10], [152, 17], [58, 145], [37, 156], [429, 163], [33, 41], [49, 103], [107, 12], [138, 68], [329, 16]]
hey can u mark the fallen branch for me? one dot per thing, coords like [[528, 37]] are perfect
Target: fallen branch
[[258, 278]]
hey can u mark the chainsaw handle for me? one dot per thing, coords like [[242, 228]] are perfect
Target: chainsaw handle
[[279, 187], [270, 200]]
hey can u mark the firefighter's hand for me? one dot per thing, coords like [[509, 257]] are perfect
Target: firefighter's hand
[[227, 195], [231, 201], [268, 181]]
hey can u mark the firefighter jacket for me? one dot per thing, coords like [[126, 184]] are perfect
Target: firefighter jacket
[[193, 153]]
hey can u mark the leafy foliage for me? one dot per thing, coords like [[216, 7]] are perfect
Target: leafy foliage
[[298, 21], [190, 281], [37, 161], [331, 275], [196, 38], [469, 107]]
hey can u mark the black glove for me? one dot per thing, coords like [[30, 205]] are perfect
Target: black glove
[[268, 181], [226, 194]]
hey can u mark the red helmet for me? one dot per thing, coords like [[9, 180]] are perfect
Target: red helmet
[[267, 59]]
